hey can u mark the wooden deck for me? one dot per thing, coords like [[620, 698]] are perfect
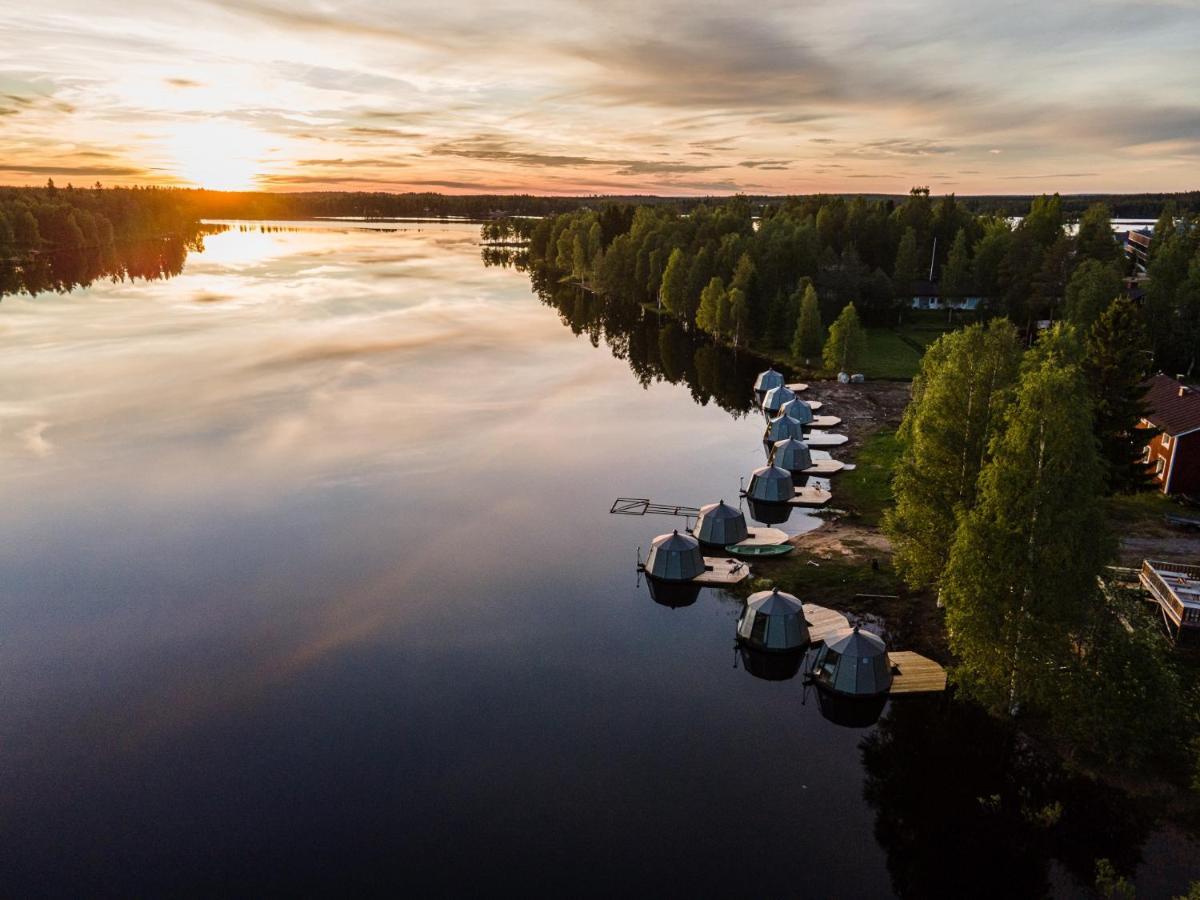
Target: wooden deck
[[814, 405], [798, 387], [822, 622], [1175, 587], [764, 537], [823, 468], [915, 674], [722, 572], [810, 497], [825, 440], [823, 422]]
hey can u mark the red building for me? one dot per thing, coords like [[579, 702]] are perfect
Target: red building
[[1174, 453]]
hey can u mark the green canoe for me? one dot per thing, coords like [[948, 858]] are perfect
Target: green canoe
[[759, 549]]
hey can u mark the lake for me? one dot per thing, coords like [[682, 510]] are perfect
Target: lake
[[308, 583]]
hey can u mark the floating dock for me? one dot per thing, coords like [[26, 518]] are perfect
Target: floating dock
[[763, 537], [798, 387], [823, 468], [721, 572], [809, 497], [825, 440], [913, 673], [823, 622], [823, 422]]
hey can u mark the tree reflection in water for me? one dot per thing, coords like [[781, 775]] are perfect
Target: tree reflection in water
[[65, 271], [966, 808], [656, 348]]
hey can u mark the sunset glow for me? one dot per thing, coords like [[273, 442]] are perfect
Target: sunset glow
[[675, 98]]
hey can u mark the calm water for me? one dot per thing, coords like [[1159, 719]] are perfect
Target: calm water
[[307, 581]]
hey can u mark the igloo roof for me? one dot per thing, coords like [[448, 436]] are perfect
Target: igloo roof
[[775, 603], [777, 396], [767, 380], [798, 410]]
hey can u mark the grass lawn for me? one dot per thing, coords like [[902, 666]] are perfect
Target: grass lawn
[[1145, 508], [867, 490], [888, 356]]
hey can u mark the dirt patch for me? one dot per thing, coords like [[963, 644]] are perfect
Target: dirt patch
[[863, 408]]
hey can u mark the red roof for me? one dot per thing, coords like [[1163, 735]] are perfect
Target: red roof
[[1174, 407]]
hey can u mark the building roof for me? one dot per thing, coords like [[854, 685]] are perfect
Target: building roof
[[1174, 408]]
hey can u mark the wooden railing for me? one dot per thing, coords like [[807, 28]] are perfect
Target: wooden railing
[[1181, 613]]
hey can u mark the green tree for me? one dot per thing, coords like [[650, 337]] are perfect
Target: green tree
[[1117, 361], [810, 333], [708, 316], [26, 233], [956, 273], [1022, 571], [1044, 222], [739, 314], [1091, 290], [958, 405], [847, 341], [674, 283], [1095, 239], [907, 267], [1163, 228]]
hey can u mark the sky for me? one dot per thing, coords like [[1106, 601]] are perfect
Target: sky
[[613, 97]]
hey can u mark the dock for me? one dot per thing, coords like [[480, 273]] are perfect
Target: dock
[[822, 622], [798, 387], [1175, 587], [823, 422], [764, 537], [825, 440], [823, 468], [640, 506], [809, 497], [722, 572], [913, 673]]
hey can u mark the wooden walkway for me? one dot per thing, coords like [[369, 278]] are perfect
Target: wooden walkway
[[822, 622], [722, 572], [915, 674]]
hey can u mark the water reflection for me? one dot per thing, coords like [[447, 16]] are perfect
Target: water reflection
[[965, 809], [257, 598], [657, 349], [64, 271]]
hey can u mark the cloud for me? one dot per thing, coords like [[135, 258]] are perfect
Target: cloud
[[67, 169]]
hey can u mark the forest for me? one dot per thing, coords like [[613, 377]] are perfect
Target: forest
[[745, 279]]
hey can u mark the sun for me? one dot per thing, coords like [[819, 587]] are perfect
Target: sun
[[220, 156]]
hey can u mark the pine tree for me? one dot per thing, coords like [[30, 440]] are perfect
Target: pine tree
[[959, 402], [847, 342], [1022, 571], [708, 315], [1116, 364], [810, 334]]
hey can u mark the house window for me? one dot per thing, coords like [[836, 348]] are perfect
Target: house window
[[1146, 454], [1159, 465], [1166, 442]]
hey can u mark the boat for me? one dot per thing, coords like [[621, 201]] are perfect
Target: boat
[[758, 550]]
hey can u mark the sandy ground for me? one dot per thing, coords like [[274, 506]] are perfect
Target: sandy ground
[[864, 409]]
